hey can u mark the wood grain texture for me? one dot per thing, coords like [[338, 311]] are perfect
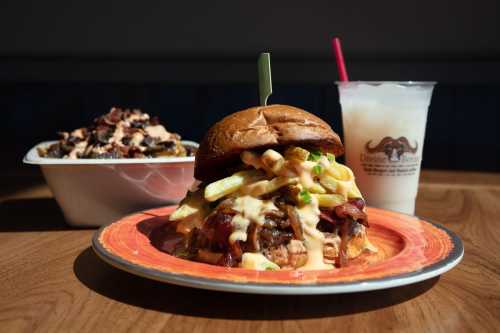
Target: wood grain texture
[[50, 280]]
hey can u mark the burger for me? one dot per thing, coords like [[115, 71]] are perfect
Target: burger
[[269, 195]]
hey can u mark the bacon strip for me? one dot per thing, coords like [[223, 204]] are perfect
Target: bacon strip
[[344, 216], [326, 215], [348, 210]]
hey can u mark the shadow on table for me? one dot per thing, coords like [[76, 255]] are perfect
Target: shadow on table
[[31, 215], [127, 288], [19, 179]]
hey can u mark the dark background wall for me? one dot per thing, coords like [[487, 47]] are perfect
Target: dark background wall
[[64, 62]]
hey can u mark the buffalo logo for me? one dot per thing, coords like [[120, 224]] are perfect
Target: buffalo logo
[[392, 148]]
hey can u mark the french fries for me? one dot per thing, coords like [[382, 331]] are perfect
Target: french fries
[[344, 187], [190, 213], [336, 170], [183, 211], [344, 184], [296, 153], [329, 182], [193, 203], [354, 192], [273, 160], [333, 170], [252, 159], [345, 172], [330, 200], [192, 221], [268, 186], [317, 188], [216, 190]]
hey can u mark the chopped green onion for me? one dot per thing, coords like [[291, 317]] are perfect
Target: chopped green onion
[[314, 156], [305, 197], [272, 268], [317, 169], [330, 157]]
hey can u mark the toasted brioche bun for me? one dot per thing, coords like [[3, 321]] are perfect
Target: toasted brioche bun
[[260, 128]]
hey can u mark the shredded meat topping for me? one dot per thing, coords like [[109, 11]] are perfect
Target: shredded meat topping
[[121, 133]]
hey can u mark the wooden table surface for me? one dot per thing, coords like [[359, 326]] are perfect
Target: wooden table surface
[[50, 280]]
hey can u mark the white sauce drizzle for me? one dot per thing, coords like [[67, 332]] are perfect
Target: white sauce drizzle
[[249, 210], [314, 239], [304, 170], [118, 134], [79, 148], [158, 131], [136, 139]]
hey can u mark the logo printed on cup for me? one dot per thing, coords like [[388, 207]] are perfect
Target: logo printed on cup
[[390, 157]]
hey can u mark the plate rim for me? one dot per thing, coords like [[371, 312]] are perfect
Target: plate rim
[[428, 272]]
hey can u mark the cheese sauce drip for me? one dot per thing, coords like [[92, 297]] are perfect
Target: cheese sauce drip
[[314, 239], [304, 171], [249, 209]]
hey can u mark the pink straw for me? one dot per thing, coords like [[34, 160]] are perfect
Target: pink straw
[[337, 49]]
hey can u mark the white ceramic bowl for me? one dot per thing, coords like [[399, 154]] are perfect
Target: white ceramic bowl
[[95, 192]]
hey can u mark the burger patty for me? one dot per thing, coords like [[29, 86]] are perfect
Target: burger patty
[[280, 238]]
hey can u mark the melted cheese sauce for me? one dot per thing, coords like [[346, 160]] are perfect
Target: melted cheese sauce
[[249, 209], [314, 239], [304, 171]]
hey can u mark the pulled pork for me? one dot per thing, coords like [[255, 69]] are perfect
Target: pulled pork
[[280, 238]]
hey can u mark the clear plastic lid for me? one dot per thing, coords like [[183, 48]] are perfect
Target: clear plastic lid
[[378, 83]]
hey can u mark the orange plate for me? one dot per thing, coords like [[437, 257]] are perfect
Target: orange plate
[[409, 250]]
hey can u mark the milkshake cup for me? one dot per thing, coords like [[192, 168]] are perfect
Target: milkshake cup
[[384, 129]]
